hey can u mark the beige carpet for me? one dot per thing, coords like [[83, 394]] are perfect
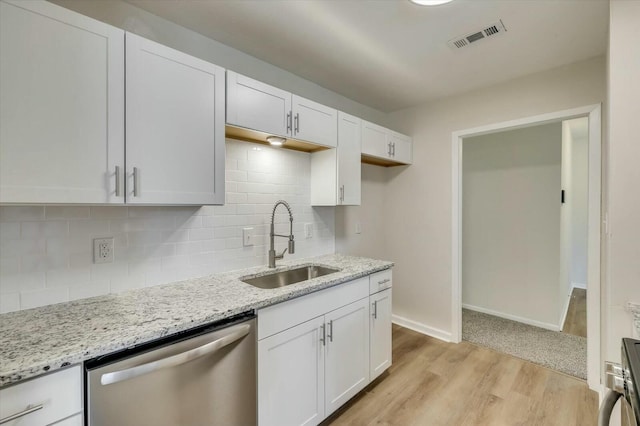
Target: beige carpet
[[559, 351]]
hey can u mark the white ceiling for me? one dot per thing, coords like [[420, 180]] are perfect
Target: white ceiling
[[391, 54]]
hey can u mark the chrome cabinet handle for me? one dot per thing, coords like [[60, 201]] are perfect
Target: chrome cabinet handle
[[384, 281], [323, 339], [136, 182], [289, 122], [330, 331], [342, 193], [30, 409], [297, 123], [375, 310], [118, 182], [235, 333], [393, 152]]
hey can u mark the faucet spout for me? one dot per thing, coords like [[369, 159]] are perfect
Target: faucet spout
[[291, 246]]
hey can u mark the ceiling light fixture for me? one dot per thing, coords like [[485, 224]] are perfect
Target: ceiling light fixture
[[276, 140], [430, 2]]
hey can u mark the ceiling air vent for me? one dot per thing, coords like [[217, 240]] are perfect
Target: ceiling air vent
[[475, 36]]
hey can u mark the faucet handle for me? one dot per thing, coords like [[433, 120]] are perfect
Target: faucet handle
[[281, 255]]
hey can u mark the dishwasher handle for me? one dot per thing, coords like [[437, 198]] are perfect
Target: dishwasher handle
[[235, 333]]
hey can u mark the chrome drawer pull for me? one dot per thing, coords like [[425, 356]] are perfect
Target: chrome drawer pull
[[384, 281], [28, 410], [235, 333]]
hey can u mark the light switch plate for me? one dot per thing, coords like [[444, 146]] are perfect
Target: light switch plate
[[308, 230], [358, 227], [247, 237]]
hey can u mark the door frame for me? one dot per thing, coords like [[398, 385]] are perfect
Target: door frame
[[594, 113]]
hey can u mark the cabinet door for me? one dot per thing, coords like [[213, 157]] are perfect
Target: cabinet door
[[258, 106], [401, 147], [62, 106], [374, 140], [58, 393], [347, 353], [175, 126], [314, 122], [291, 376], [349, 168], [380, 332]]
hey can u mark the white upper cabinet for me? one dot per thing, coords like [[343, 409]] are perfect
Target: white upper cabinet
[[61, 106], [335, 173], [314, 122], [258, 106], [175, 126], [374, 140], [349, 168], [254, 105], [384, 146], [401, 147]]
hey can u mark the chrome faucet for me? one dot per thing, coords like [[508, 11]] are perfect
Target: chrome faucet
[[292, 247]]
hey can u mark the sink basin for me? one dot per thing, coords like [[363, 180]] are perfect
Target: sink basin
[[292, 276]]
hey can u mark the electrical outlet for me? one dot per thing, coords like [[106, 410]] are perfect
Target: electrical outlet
[[308, 230], [358, 227], [247, 237], [103, 250]]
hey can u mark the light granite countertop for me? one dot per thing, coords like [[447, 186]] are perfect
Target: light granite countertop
[[41, 340]]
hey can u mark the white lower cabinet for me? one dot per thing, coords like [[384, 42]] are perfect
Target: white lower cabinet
[[380, 348], [291, 376], [45, 400], [346, 353], [314, 352]]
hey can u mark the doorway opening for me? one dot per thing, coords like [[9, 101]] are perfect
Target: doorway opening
[[504, 265]]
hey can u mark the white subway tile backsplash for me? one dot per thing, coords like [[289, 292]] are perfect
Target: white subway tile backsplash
[[67, 212], [46, 296], [46, 253], [91, 289], [9, 302], [66, 277], [21, 213], [37, 230], [9, 230]]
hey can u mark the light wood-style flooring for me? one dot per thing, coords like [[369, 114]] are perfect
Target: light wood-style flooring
[[576, 321], [433, 383]]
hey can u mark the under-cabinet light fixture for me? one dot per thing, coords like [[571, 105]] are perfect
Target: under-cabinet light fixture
[[276, 140], [430, 2]]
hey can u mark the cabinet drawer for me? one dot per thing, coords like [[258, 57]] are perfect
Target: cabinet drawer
[[380, 281], [59, 393], [276, 318]]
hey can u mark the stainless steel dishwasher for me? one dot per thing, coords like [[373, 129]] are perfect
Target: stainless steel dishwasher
[[206, 376]]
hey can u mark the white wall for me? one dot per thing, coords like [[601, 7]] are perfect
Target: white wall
[[138, 21], [577, 198], [46, 252], [418, 198], [511, 224], [623, 267], [370, 242]]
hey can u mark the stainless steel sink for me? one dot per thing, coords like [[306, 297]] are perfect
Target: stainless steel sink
[[292, 276]]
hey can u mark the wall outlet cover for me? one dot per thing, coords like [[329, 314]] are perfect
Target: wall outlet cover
[[358, 227], [308, 230], [247, 237], [103, 250]]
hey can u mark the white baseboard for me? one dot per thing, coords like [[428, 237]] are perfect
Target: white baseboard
[[548, 326], [579, 285], [565, 310], [421, 328]]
